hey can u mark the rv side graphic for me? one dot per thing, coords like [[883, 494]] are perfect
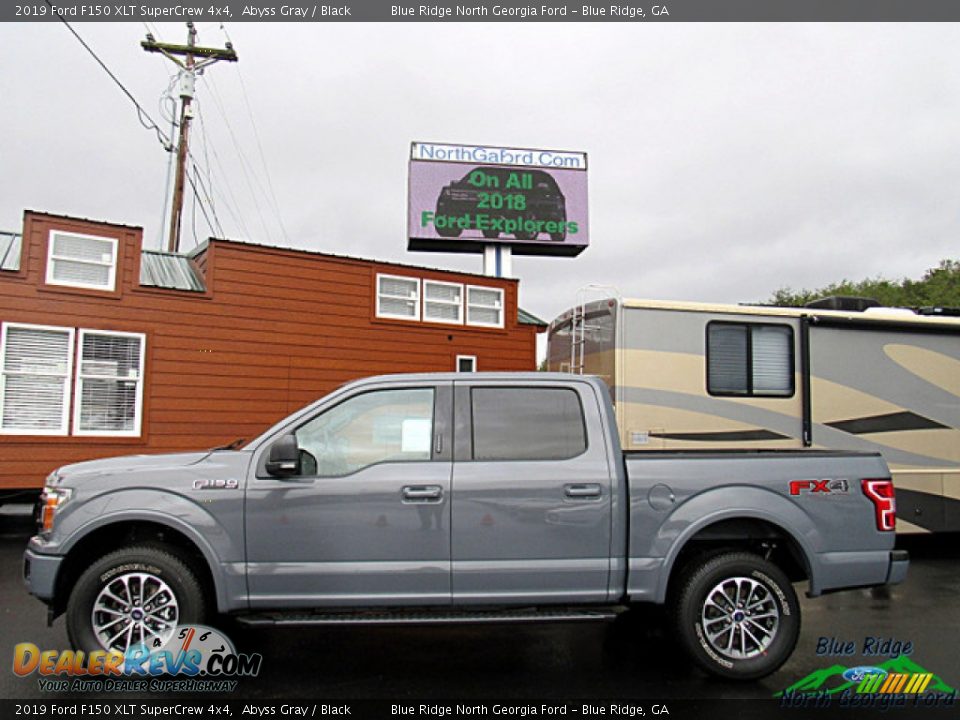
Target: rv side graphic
[[688, 376]]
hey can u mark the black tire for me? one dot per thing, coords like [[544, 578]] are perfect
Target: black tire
[[745, 640], [154, 572], [489, 233]]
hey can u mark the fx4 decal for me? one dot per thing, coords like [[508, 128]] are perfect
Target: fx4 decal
[[827, 486]]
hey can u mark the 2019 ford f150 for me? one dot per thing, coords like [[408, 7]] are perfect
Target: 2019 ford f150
[[462, 498]]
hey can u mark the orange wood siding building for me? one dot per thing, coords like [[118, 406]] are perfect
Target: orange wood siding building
[[108, 350]]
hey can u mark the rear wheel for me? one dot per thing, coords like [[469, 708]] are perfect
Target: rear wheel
[[737, 615], [132, 596]]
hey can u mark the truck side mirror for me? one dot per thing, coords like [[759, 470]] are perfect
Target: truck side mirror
[[284, 457]]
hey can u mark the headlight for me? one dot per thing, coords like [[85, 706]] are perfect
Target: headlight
[[51, 500]]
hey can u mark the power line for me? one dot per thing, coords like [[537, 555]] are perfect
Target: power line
[[215, 227], [193, 216], [230, 197], [244, 163], [201, 199], [141, 113], [256, 135], [152, 29], [196, 195], [190, 67], [207, 199], [263, 160]]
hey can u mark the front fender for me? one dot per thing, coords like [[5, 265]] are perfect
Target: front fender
[[217, 536]]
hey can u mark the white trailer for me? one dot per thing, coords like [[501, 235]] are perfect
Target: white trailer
[[699, 377]]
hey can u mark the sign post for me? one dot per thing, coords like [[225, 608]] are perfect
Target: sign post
[[497, 261]]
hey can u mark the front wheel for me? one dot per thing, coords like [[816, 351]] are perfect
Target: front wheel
[[133, 596], [737, 616]]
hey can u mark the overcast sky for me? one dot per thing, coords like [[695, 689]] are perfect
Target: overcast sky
[[726, 160]]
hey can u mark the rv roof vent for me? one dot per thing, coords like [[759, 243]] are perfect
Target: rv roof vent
[[847, 303], [890, 311], [943, 311]]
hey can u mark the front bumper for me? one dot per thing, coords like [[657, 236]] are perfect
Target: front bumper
[[40, 573]]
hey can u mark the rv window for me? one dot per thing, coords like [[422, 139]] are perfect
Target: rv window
[[749, 359]]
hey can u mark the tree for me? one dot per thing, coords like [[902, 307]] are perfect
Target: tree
[[939, 286]]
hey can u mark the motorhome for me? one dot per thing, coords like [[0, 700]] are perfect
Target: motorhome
[[705, 377]]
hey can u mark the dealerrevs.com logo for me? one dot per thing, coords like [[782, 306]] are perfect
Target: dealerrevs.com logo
[[195, 659]]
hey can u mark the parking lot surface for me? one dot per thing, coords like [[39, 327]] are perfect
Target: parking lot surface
[[635, 657]]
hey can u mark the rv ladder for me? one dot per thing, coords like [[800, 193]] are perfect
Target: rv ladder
[[578, 338], [578, 323]]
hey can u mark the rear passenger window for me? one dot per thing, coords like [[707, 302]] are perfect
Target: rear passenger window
[[518, 423]]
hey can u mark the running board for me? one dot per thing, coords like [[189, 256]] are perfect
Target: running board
[[427, 617]]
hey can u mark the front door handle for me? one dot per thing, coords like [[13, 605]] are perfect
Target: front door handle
[[582, 491], [422, 493]]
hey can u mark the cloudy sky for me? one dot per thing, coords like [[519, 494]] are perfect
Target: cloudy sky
[[726, 160]]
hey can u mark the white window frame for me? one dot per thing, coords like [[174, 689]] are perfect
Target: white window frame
[[458, 305], [416, 300], [51, 260], [751, 390], [471, 358], [467, 306], [65, 413], [78, 386]]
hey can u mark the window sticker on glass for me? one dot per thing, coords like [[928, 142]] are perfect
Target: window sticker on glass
[[415, 435]]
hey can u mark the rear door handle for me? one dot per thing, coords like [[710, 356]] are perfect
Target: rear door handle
[[586, 491], [422, 493]]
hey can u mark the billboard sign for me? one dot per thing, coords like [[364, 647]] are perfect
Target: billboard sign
[[464, 197]]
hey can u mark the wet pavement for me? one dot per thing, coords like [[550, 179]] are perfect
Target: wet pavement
[[635, 657]]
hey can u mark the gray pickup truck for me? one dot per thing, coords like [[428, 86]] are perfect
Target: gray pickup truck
[[462, 498]]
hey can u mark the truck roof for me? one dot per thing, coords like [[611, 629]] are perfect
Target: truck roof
[[511, 376]]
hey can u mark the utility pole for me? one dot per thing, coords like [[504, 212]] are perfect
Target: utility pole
[[189, 69]]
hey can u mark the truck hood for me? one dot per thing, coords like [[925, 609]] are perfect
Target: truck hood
[[127, 464]]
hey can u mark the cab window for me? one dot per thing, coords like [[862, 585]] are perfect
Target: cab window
[[375, 427], [518, 423]]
